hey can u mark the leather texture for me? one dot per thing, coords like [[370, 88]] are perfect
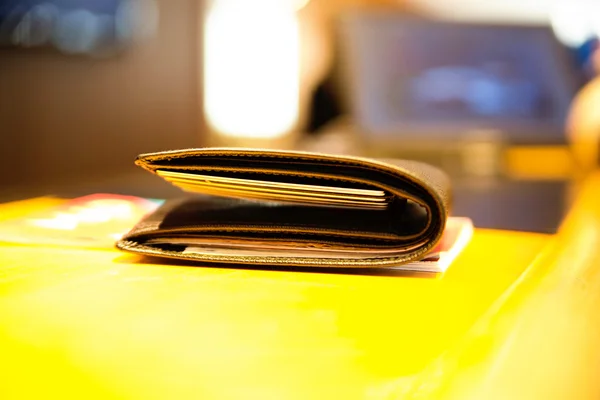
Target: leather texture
[[411, 225]]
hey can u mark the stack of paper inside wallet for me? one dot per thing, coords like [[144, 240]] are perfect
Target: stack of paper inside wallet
[[278, 191], [283, 208]]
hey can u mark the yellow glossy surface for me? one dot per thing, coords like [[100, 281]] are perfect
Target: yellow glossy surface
[[541, 339], [102, 324]]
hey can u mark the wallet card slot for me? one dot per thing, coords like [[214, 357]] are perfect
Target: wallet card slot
[[296, 166], [233, 162], [256, 247], [403, 219], [333, 239], [267, 239], [420, 210]]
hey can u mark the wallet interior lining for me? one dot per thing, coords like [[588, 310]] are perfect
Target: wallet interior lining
[[396, 197], [213, 217]]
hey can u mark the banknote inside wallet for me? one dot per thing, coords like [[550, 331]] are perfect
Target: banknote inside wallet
[[272, 190]]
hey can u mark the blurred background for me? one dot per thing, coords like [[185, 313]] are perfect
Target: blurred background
[[502, 94]]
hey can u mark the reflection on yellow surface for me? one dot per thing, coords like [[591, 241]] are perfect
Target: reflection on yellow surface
[[93, 221]]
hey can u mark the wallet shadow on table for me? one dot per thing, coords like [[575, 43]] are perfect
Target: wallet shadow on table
[[159, 261]]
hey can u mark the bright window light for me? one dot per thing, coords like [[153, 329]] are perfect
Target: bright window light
[[251, 67], [570, 22]]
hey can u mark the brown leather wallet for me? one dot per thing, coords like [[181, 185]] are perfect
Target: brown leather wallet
[[287, 208]]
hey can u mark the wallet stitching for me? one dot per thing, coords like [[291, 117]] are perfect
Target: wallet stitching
[[296, 241], [282, 156], [377, 167], [379, 239], [343, 162], [270, 260]]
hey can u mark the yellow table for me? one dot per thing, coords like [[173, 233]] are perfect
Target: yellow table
[[516, 316]]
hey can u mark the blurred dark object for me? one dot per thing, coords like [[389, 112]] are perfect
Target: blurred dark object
[[586, 57], [325, 106], [88, 27], [520, 205]]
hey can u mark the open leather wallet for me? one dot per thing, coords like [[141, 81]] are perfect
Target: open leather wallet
[[286, 208]]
